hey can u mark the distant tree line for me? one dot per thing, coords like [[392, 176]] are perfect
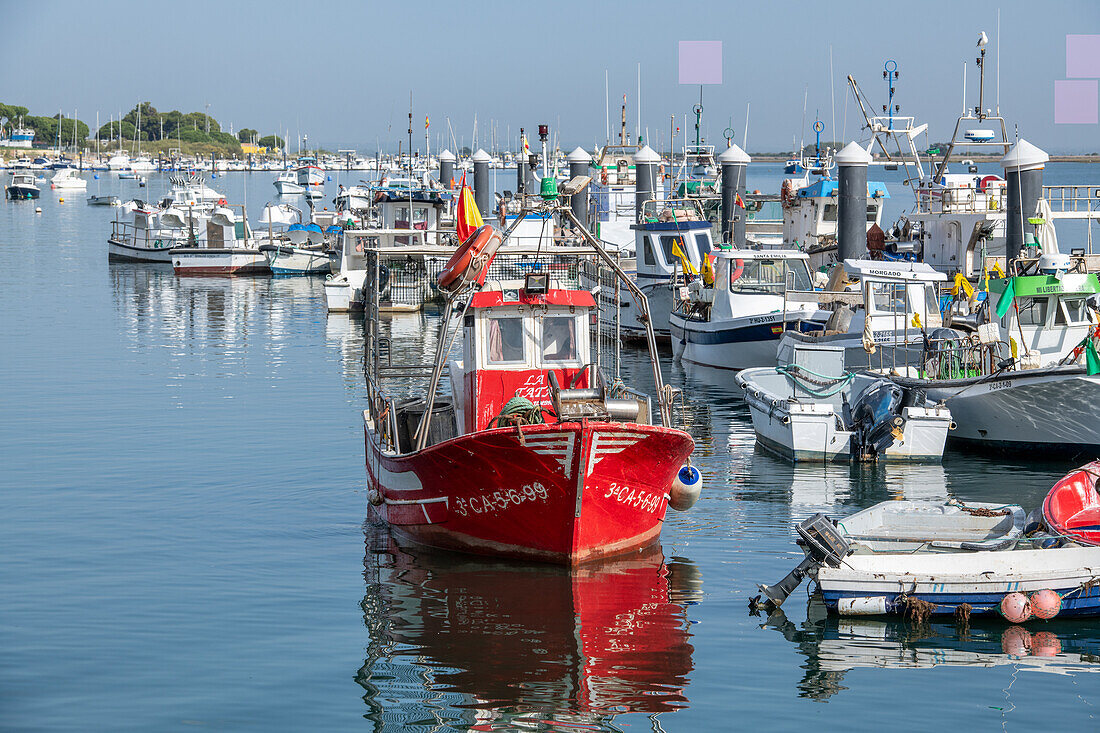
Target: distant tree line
[[190, 127]]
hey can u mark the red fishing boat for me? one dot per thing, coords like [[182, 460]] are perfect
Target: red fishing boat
[[1072, 508], [533, 454]]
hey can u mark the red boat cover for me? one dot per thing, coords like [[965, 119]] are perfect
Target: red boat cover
[[1073, 506]]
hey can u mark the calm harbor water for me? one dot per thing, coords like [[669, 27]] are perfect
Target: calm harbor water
[[184, 544]]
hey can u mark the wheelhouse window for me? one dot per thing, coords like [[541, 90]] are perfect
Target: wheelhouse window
[[559, 338], [888, 297], [702, 243], [1073, 311], [647, 251], [769, 276], [506, 341], [1032, 311]]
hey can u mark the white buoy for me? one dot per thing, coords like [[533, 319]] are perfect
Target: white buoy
[[38, 210], [686, 488]]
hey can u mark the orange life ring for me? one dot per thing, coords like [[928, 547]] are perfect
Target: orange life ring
[[738, 270], [470, 260], [222, 202], [603, 177]]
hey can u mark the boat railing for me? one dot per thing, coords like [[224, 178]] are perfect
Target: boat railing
[[673, 210], [141, 237], [938, 200], [1073, 201]]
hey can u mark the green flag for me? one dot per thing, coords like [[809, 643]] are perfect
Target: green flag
[[1092, 359], [1006, 298]]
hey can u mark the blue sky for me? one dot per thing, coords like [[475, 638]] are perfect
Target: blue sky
[[342, 72]]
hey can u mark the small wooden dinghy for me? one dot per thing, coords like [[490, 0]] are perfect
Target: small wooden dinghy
[[1072, 508]]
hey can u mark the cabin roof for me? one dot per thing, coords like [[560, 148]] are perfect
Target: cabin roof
[[672, 226], [1029, 286], [490, 298], [894, 270], [761, 254], [829, 187]]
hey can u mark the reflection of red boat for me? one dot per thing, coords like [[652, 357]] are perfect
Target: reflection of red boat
[[1072, 507], [513, 641], [531, 456]]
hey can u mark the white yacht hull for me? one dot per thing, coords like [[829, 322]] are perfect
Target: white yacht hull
[[739, 343], [219, 261], [289, 188], [344, 292], [119, 251], [808, 432], [284, 260], [1051, 409]]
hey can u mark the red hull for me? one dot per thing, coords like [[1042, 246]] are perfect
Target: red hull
[[564, 493], [1072, 507]]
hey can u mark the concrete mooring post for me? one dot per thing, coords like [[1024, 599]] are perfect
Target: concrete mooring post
[[1023, 166], [734, 162], [578, 166], [446, 168], [851, 230], [645, 180], [483, 189]]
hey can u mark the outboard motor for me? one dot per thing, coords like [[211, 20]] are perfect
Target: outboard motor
[[823, 544], [876, 414]]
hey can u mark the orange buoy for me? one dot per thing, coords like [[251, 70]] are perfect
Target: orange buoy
[[471, 259], [1045, 603], [1016, 608]]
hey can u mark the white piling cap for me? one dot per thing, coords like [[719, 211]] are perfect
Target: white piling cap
[[481, 157], [447, 156], [580, 155], [734, 155], [1024, 157], [647, 155], [853, 154]]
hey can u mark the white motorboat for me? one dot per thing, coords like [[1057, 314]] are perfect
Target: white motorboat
[[862, 570], [809, 409], [142, 164], [119, 161], [287, 184], [104, 200], [68, 179], [309, 173], [22, 186], [885, 323], [736, 320]]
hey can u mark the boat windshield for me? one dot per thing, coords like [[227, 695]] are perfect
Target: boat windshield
[[769, 276], [1075, 312]]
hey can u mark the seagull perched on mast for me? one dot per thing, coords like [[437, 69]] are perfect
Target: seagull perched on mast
[[982, 39]]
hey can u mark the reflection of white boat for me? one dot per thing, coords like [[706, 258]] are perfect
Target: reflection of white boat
[[833, 646]]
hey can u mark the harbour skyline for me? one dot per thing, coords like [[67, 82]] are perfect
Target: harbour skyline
[[344, 75]]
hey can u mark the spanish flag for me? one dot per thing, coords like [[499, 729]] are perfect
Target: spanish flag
[[739, 202], [467, 217]]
